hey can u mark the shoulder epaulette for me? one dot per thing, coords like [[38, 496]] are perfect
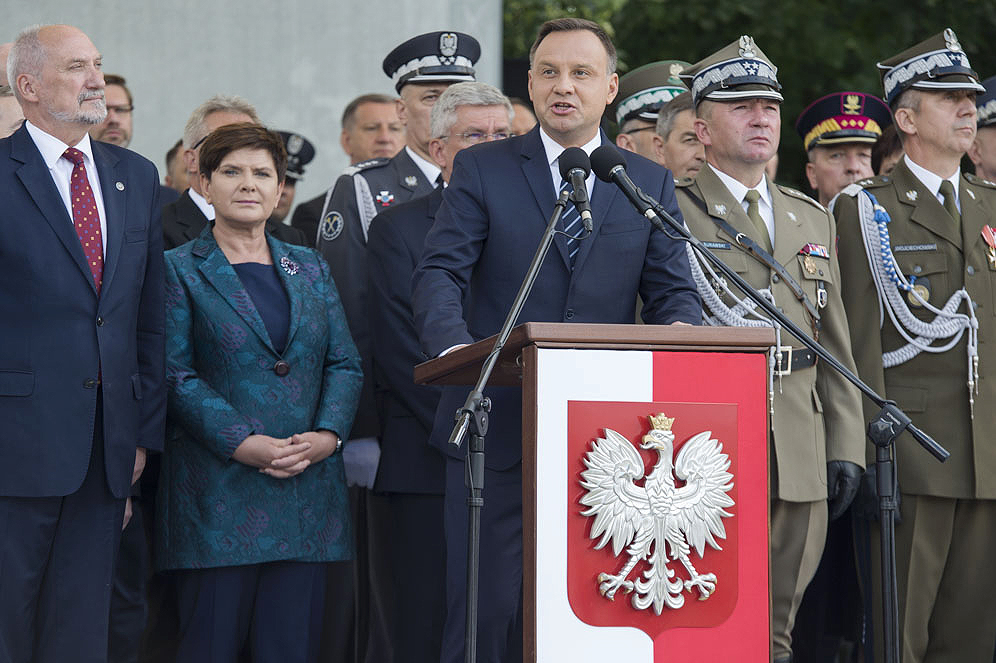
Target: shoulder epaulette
[[978, 181], [789, 191], [365, 165], [683, 182]]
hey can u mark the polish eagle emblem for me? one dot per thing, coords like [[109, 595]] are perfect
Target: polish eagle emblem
[[658, 522]]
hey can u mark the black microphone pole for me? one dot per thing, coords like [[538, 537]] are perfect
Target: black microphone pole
[[609, 166], [473, 418]]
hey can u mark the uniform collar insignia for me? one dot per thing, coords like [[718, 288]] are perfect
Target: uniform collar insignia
[[971, 193], [411, 180], [720, 209], [791, 215], [911, 194]]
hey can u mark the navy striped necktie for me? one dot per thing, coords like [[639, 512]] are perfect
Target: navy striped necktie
[[571, 220]]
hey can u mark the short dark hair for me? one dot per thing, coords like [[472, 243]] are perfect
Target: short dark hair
[[352, 106], [224, 140], [572, 24], [114, 79], [173, 151], [669, 111]]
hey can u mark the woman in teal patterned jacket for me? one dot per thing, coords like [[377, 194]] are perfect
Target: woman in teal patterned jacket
[[263, 383]]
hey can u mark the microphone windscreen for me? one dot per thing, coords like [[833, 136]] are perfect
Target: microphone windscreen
[[604, 159], [571, 158]]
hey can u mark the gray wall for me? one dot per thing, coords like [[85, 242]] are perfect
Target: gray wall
[[298, 61]]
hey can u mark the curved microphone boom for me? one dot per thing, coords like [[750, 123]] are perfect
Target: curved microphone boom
[[574, 168]]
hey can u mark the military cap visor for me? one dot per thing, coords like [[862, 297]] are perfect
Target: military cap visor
[[643, 91], [938, 63], [300, 152], [435, 57], [843, 117], [986, 103], [738, 71]]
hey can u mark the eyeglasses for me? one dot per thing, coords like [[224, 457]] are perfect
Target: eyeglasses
[[121, 110], [479, 137]]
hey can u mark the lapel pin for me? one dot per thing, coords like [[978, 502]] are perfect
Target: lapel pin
[[119, 186], [289, 265], [911, 194], [411, 181]]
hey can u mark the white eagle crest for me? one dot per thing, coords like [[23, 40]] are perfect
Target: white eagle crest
[[659, 516]]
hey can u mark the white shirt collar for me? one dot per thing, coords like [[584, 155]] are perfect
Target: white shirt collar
[[206, 208], [553, 151], [52, 148], [737, 188], [429, 169], [932, 181]]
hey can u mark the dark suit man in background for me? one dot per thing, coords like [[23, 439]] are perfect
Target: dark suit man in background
[[81, 351], [411, 473], [498, 202], [184, 219]]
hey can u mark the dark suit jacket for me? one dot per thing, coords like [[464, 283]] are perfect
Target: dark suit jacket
[[213, 511], [405, 410], [58, 336], [493, 215]]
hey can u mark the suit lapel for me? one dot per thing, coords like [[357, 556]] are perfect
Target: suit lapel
[[926, 210], [217, 271], [114, 191], [37, 179], [536, 170], [721, 203], [787, 225], [288, 270]]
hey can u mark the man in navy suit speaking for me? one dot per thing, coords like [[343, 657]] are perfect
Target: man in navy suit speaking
[[81, 349], [493, 215]]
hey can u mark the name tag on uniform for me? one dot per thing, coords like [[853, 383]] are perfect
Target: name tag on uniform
[[717, 245], [909, 248]]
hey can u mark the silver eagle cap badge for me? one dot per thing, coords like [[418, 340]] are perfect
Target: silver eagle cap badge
[[650, 520]]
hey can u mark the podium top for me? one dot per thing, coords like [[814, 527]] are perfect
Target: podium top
[[464, 365]]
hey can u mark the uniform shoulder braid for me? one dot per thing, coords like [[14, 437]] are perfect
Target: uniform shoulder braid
[[365, 165], [978, 181], [795, 193]]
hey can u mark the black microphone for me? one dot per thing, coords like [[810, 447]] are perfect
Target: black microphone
[[609, 166], [574, 167]]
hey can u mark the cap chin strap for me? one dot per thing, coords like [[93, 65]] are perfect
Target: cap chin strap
[[889, 281]]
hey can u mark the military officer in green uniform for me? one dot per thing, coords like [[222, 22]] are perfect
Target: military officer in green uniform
[[642, 92], [816, 435], [918, 260]]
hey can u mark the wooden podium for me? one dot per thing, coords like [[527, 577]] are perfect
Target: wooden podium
[[579, 384]]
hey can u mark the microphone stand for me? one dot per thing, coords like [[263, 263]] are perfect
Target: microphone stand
[[473, 418], [882, 431]]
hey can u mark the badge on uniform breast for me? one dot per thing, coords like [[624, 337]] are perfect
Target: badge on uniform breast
[[989, 235], [812, 249], [385, 198], [809, 264], [921, 288], [331, 226]]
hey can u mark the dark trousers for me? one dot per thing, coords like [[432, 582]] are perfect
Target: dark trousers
[[418, 574], [500, 606], [274, 609], [129, 609], [56, 565]]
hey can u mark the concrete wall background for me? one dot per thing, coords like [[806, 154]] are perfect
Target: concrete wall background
[[298, 61]]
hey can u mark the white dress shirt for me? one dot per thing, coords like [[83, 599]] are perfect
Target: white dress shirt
[[739, 193], [52, 149], [554, 150], [932, 181], [206, 208]]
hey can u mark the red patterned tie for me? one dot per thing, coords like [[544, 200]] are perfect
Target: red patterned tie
[[85, 216]]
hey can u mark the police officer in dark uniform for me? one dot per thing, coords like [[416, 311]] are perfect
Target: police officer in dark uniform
[[816, 433], [300, 152], [918, 260], [421, 68]]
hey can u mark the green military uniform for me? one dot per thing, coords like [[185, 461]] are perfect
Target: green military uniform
[[815, 410], [948, 528]]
